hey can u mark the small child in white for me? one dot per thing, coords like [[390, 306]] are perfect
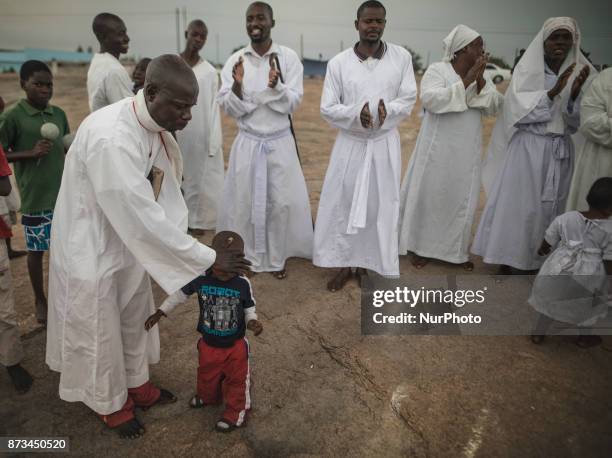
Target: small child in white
[[583, 242], [227, 309]]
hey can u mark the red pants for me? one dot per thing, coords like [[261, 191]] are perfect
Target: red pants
[[143, 396], [223, 375]]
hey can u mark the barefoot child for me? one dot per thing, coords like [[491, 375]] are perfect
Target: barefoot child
[[39, 165], [227, 309], [583, 242]]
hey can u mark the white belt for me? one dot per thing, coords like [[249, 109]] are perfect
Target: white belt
[[359, 205], [259, 184]]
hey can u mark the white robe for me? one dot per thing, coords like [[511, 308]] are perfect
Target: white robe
[[109, 234], [107, 81], [201, 145], [595, 158], [532, 186], [580, 245], [264, 196], [357, 221], [441, 188]]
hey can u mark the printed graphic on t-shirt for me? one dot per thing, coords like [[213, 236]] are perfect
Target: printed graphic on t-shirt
[[219, 310]]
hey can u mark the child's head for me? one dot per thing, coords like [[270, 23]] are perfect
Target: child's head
[[227, 240], [138, 75], [600, 196], [37, 82]]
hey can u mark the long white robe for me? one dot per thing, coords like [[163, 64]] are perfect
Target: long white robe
[[441, 188], [595, 159], [109, 234], [107, 81], [264, 196], [201, 145], [357, 221], [532, 186]]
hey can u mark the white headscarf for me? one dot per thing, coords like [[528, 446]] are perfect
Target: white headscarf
[[527, 88], [459, 38], [527, 84]]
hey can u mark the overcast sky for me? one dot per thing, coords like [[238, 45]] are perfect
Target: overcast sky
[[324, 24]]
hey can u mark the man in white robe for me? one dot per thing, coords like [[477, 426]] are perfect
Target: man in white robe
[[107, 80], [541, 112], [595, 159], [201, 141], [264, 197], [368, 90], [120, 217], [441, 188]]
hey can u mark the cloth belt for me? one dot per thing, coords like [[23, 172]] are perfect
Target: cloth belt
[[359, 205], [259, 183], [559, 153]]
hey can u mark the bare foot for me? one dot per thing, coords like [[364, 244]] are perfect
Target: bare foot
[[469, 266], [339, 280], [12, 254], [22, 380], [280, 275], [360, 273], [419, 261]]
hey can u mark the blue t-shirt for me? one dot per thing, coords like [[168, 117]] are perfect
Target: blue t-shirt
[[222, 305]]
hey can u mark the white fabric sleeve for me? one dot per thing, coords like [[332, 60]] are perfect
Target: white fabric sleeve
[[571, 114], [542, 112], [177, 298], [215, 141], [489, 101], [439, 98], [117, 86], [285, 97], [400, 107], [553, 233], [332, 109], [231, 104], [250, 314], [117, 172], [595, 112]]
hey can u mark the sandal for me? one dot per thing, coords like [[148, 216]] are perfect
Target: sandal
[[131, 429], [224, 426], [196, 402], [165, 397], [419, 261]]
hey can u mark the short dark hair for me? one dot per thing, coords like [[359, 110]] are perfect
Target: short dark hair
[[30, 67], [370, 4], [100, 22], [600, 194], [265, 5]]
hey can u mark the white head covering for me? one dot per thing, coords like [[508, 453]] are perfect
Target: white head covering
[[527, 88], [527, 82], [459, 38]]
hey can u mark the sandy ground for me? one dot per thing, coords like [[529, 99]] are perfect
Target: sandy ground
[[321, 388]]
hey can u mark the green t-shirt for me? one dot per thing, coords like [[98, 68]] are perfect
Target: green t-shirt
[[38, 179]]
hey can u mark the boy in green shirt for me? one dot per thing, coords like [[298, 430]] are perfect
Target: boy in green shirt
[[39, 165]]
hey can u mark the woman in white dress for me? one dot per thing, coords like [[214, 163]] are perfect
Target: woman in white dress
[[541, 112], [583, 242]]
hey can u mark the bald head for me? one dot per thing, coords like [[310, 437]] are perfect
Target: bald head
[[171, 89]]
